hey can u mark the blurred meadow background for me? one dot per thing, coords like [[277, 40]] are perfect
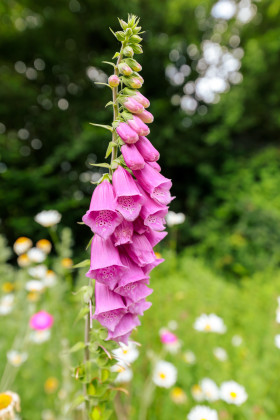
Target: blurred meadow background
[[211, 71]]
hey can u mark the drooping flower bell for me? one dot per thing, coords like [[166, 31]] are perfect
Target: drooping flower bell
[[132, 157], [127, 134]]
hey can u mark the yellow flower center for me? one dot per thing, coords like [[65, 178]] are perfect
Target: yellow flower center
[[233, 394], [162, 375], [125, 351], [66, 263], [207, 327], [158, 255], [51, 385], [33, 296], [5, 401], [8, 287], [177, 392], [196, 389], [44, 245]]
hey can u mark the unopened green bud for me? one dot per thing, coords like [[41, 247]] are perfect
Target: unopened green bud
[[123, 24], [120, 36], [133, 64], [137, 49], [128, 32], [135, 39], [128, 52], [125, 69]]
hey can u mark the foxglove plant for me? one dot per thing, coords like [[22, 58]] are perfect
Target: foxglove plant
[[128, 206]]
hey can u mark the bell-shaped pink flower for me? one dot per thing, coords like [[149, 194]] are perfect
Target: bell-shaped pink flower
[[139, 226], [140, 250], [105, 264], [126, 133], [102, 216], [138, 308], [139, 126], [141, 99], [155, 237], [132, 157], [133, 106], [146, 116], [123, 233], [155, 165], [109, 306], [124, 328], [113, 80], [127, 194], [154, 184], [149, 267], [134, 291], [133, 274], [153, 213], [41, 321], [147, 150]]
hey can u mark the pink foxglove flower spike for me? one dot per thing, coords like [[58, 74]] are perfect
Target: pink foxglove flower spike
[[128, 207]]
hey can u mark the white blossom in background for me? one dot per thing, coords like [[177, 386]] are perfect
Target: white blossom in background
[[210, 389], [35, 255], [236, 340], [277, 341], [34, 286], [189, 357], [6, 304], [197, 393], [164, 374], [22, 245], [39, 271], [220, 354], [202, 412], [40, 336], [16, 358], [48, 218], [125, 374], [210, 323], [173, 218], [127, 354], [50, 279], [172, 325], [233, 393], [224, 9]]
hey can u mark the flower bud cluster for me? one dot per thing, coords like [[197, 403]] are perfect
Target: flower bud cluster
[[127, 215]]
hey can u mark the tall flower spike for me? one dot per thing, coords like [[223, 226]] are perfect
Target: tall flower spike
[[105, 264], [102, 216], [128, 196]]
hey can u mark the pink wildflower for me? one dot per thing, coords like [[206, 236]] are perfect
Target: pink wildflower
[[41, 321]]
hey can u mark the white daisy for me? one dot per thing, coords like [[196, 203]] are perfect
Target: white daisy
[[36, 255], [6, 304], [165, 374], [50, 279], [173, 218], [22, 245], [189, 357], [236, 340], [16, 358], [210, 389], [34, 286], [202, 412], [172, 325], [39, 271], [40, 336], [220, 354], [48, 218], [210, 323], [233, 393], [125, 374], [127, 354], [197, 393], [277, 341], [9, 404]]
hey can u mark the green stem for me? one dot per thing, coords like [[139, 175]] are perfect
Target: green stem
[[115, 108], [86, 360]]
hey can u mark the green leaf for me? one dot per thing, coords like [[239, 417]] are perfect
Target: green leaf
[[80, 223], [110, 148], [109, 62], [77, 401], [89, 243], [101, 83], [108, 127], [78, 346], [85, 263], [101, 165], [109, 103], [84, 311], [116, 55]]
